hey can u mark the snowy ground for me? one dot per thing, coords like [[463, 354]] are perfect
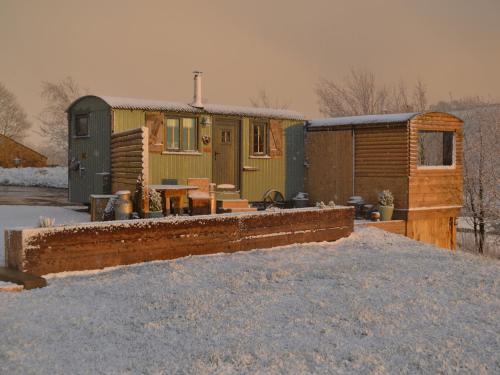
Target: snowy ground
[[27, 216], [373, 303], [48, 177]]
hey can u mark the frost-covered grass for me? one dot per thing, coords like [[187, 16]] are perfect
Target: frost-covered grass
[[28, 216], [372, 303], [48, 177]]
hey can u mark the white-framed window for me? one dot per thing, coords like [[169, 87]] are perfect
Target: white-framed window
[[181, 134], [436, 148], [260, 130]]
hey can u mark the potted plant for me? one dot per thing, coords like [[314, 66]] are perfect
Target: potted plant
[[386, 205], [154, 204]]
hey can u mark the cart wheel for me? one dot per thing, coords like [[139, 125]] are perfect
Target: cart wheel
[[273, 198]]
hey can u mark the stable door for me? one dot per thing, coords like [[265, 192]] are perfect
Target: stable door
[[226, 146]]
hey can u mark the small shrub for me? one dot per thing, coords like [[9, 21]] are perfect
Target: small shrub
[[154, 200], [385, 198], [46, 222]]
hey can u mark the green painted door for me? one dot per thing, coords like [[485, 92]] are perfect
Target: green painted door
[[226, 146], [89, 158]]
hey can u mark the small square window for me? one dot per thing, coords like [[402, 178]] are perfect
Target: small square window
[[81, 125], [436, 148], [226, 136]]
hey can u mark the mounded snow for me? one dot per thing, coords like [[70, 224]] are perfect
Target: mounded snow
[[48, 177], [372, 303], [28, 216]]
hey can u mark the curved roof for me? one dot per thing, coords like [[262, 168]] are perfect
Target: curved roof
[[367, 119], [216, 109]]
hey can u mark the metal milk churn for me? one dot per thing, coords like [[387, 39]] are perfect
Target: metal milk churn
[[123, 205]]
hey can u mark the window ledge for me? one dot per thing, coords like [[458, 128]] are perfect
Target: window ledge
[[191, 153], [260, 157], [431, 167]]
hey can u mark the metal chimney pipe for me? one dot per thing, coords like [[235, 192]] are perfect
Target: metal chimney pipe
[[197, 102]]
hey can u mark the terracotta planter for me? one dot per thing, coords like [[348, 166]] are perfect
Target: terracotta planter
[[386, 212]]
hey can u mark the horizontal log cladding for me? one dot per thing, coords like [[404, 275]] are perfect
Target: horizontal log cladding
[[97, 245]]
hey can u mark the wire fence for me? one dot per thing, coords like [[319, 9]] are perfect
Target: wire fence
[[466, 242]]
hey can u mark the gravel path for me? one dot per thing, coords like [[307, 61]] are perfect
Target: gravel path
[[374, 303]]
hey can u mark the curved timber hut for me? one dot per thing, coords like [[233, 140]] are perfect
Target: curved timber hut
[[113, 140], [417, 156]]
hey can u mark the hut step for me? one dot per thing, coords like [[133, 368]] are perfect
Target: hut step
[[232, 203]]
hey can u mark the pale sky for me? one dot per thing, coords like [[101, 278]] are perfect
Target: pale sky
[[148, 49]]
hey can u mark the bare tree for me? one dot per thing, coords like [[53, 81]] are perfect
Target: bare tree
[[54, 124], [262, 100], [481, 167], [13, 119], [420, 103], [359, 94]]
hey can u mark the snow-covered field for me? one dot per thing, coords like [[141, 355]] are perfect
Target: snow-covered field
[[49, 177], [372, 303], [28, 216]]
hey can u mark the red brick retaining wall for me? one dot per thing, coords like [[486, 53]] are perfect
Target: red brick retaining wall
[[96, 245]]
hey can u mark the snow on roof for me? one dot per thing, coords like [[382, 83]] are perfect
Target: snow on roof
[[163, 105], [358, 120], [155, 105]]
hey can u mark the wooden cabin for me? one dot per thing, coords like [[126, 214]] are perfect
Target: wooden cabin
[[252, 149], [16, 155], [417, 156]]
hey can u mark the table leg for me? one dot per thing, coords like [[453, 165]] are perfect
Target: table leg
[[181, 204], [166, 202]]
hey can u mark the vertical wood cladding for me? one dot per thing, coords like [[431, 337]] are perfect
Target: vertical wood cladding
[[328, 172]]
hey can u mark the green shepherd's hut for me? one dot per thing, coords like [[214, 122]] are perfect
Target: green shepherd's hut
[[250, 149]]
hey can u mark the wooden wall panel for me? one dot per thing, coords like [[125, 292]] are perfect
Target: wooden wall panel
[[434, 226], [381, 152], [435, 186], [370, 187], [328, 172], [381, 163]]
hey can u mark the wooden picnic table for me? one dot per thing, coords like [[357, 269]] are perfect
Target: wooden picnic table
[[177, 193]]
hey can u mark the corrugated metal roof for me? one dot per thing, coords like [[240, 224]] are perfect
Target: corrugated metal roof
[[163, 105], [359, 120], [147, 104], [253, 111]]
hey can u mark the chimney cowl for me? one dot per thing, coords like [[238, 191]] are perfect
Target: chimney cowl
[[197, 101]]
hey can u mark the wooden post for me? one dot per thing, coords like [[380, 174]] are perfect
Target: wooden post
[[145, 168], [211, 192]]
